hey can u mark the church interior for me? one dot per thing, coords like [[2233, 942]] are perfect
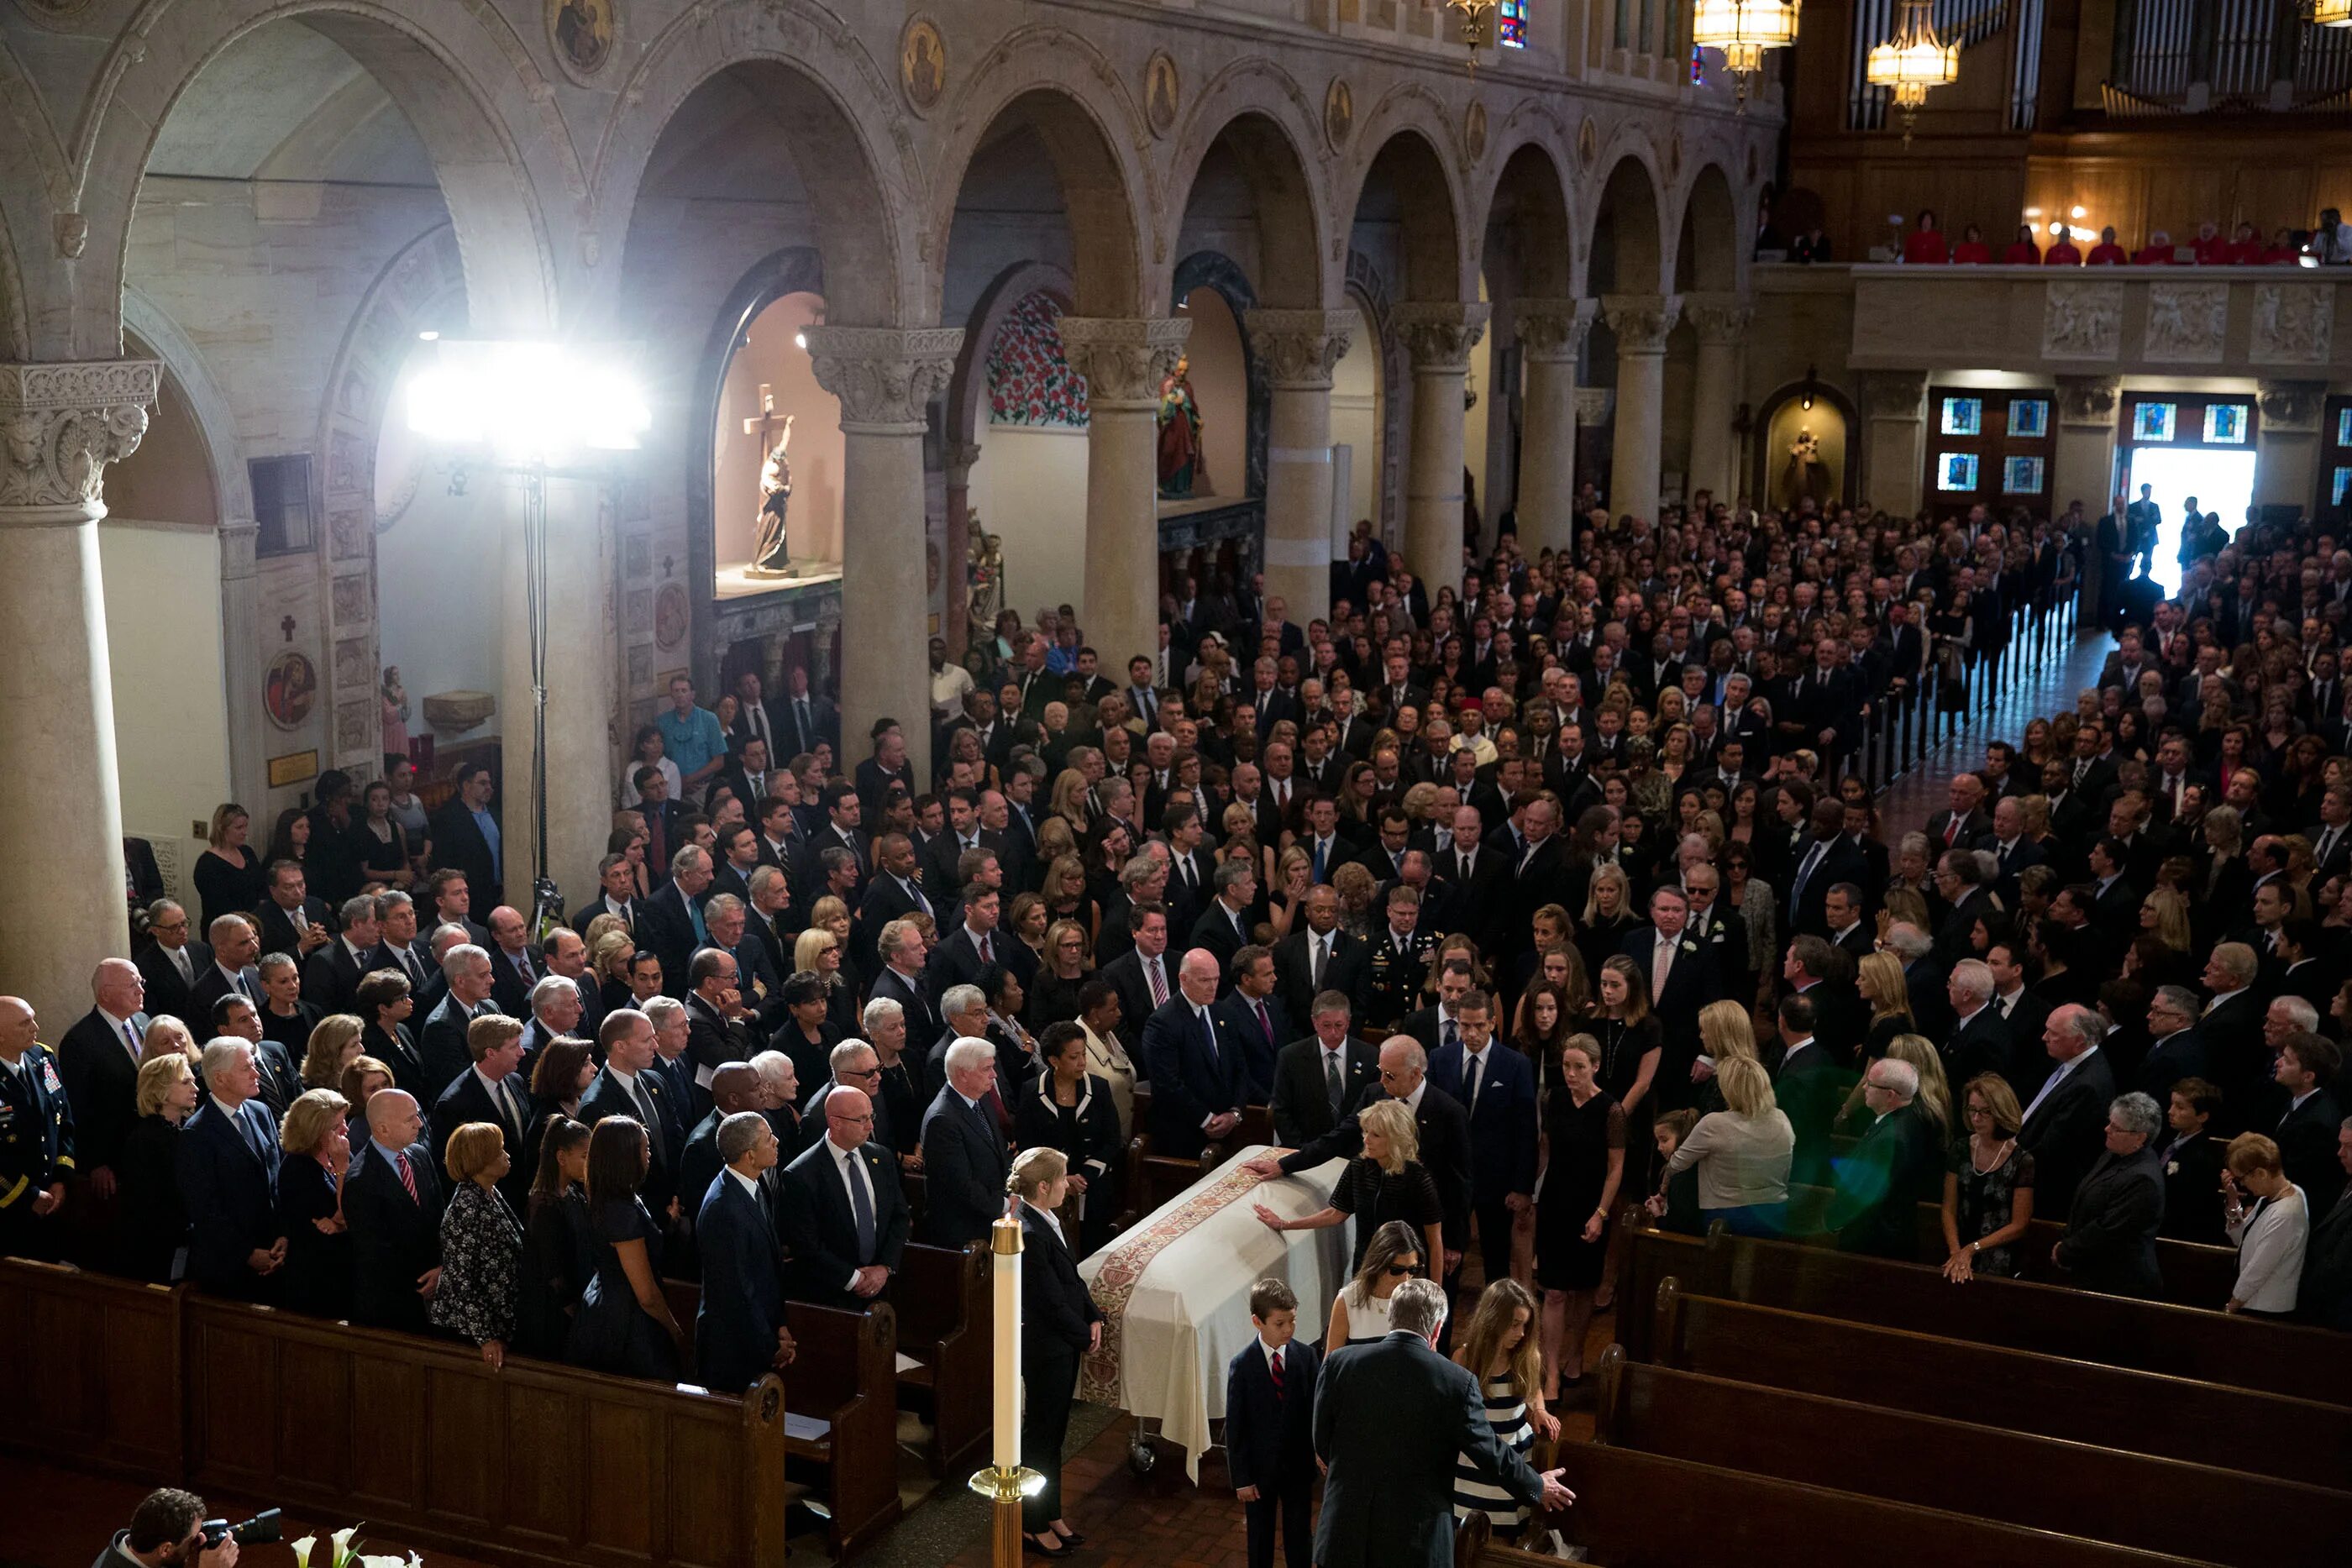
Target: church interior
[[398, 389]]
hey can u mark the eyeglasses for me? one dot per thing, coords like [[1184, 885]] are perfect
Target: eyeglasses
[[1400, 1270]]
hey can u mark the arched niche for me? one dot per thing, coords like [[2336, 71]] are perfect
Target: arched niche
[[1832, 418]]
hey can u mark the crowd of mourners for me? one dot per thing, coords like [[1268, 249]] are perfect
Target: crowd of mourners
[[1531, 894]]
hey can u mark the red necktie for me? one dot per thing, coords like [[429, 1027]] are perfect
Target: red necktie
[[1265, 1026], [1276, 1369], [1951, 832], [407, 1176], [1159, 986]]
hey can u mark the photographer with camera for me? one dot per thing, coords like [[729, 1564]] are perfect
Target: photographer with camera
[[168, 1528]]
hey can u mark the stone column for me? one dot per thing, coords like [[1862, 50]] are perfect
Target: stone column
[[1721, 322], [1124, 362], [1299, 350], [249, 760], [2083, 464], [886, 378], [1551, 336], [581, 690], [2286, 444], [61, 903], [1439, 335], [955, 626], [1896, 429], [1641, 322]]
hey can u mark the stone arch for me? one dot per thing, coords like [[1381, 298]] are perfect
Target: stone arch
[[1262, 117], [1368, 289], [426, 54], [967, 395], [1061, 86], [1708, 252], [839, 112], [1407, 143], [16, 334], [1629, 247], [1529, 207], [209, 404], [1218, 273]]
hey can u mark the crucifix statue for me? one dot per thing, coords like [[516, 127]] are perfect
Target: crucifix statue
[[770, 552]]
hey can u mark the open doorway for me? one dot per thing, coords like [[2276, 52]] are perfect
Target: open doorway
[[2219, 481]]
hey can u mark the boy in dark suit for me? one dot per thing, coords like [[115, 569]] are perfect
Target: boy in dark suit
[[1270, 1428]]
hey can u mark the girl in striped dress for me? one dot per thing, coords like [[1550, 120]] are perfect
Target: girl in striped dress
[[1499, 1348]]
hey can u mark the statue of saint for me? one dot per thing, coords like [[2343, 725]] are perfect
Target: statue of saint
[[771, 550], [986, 569], [1181, 465], [1806, 475]]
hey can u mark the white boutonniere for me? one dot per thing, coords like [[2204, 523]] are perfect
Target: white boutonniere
[[1689, 945]]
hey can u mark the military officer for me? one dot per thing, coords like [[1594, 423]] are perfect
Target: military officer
[[1398, 964], [37, 1141]]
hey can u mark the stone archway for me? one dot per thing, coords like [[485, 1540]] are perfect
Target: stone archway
[[1529, 264], [1628, 271]]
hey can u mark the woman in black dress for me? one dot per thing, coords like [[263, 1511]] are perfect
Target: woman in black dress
[[1584, 1138], [556, 1256], [150, 1230], [229, 877], [624, 1324], [1385, 1182], [378, 841], [1608, 915], [1071, 1109], [1630, 1039], [316, 1276], [1059, 1324], [1054, 994], [384, 1005]]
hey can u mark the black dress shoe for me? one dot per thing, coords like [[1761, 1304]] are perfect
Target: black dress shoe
[[1030, 1544], [1074, 1539]]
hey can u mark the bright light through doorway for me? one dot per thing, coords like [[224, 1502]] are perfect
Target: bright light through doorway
[[2222, 482]]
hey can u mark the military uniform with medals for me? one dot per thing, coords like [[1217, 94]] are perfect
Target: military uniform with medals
[[37, 1153]]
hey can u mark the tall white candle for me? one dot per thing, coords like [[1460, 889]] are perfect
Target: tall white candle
[[1004, 1240]]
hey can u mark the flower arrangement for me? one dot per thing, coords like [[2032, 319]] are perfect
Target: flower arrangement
[[1029, 380], [344, 1554]]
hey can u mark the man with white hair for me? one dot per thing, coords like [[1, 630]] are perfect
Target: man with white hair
[[442, 1041], [555, 1011], [965, 1161], [99, 1061], [1980, 1040], [2111, 1224], [1199, 1079], [852, 1064], [227, 1159], [2061, 1129], [1895, 1167]]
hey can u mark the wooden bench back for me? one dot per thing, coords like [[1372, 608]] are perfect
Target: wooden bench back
[[2221, 1516], [947, 1313], [2051, 1396]]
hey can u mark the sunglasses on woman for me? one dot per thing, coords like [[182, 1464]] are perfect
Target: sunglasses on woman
[[1402, 1270]]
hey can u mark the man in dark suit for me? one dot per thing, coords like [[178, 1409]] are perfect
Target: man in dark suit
[[443, 1042], [99, 1061], [1270, 1428], [893, 893], [630, 1086], [1145, 975], [1478, 881], [1444, 1130], [617, 879], [514, 963], [1252, 1021], [1829, 861], [2114, 1213], [1959, 879], [392, 1199], [1979, 1041], [2175, 1051], [1222, 928], [290, 920], [670, 923], [2061, 1124], [1810, 1087], [1964, 822], [1895, 1167], [965, 1161], [173, 962], [1497, 1088], [1392, 1421], [1318, 957], [803, 718], [966, 953], [2308, 1065], [491, 1090], [331, 975], [1317, 1079], [845, 1218], [1199, 1081], [738, 1325], [2324, 1296], [226, 1160], [463, 835], [900, 979], [1663, 946]]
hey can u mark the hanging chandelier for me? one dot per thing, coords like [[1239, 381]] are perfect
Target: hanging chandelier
[[1744, 29], [1912, 61], [1474, 15]]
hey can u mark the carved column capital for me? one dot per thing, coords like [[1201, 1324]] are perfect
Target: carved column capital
[[1440, 334], [1124, 358], [2088, 400], [1894, 394], [238, 535], [884, 376], [1299, 348], [1553, 331], [1641, 322], [2291, 407], [957, 459], [1719, 320], [60, 425]]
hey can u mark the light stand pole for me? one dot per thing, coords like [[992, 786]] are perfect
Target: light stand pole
[[1004, 1482]]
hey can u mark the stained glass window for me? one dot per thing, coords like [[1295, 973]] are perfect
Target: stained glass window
[[2022, 476], [2344, 427], [1956, 471], [2225, 423], [2029, 416], [1511, 24], [1963, 415], [2153, 421], [2340, 485]]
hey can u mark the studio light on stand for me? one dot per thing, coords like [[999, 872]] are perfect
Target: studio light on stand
[[538, 411]]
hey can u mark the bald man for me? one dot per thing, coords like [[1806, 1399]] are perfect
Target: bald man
[[37, 1152], [844, 1217], [98, 1062], [392, 1199], [1198, 1080]]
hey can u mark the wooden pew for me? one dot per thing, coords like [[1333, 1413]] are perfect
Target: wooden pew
[[841, 1415], [2054, 1320], [1636, 1510], [2051, 1396], [841, 1410], [946, 1312], [94, 1378], [2219, 1516]]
